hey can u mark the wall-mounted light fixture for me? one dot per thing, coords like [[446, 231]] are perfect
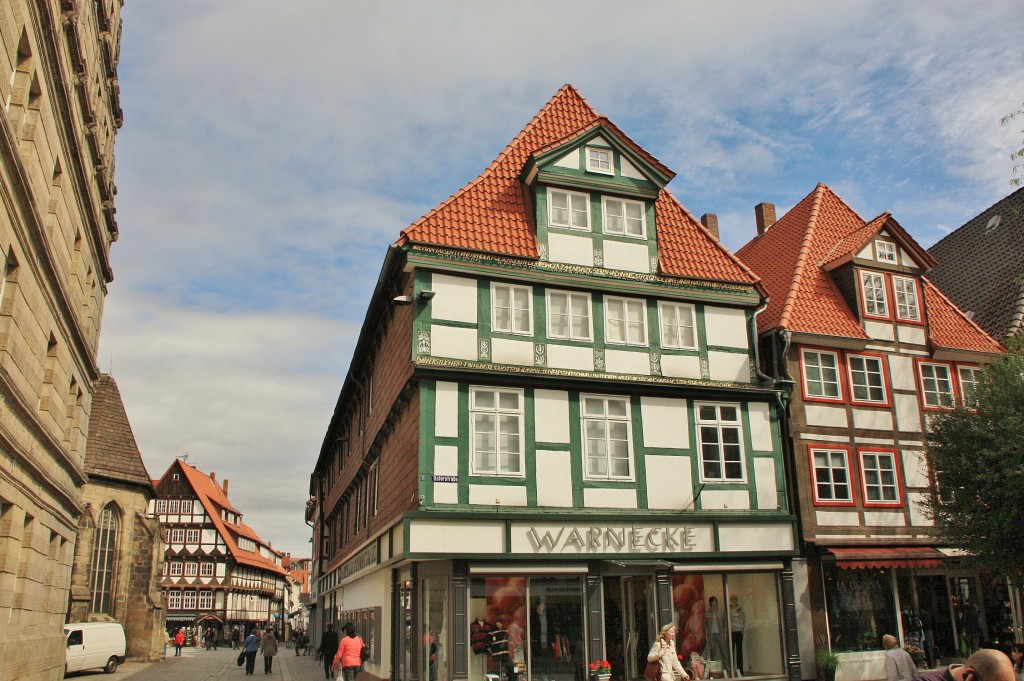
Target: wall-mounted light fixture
[[427, 295], [402, 300]]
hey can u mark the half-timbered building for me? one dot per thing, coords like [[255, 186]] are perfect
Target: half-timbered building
[[553, 426], [868, 348]]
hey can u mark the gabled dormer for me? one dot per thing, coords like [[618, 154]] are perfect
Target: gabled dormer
[[594, 195]]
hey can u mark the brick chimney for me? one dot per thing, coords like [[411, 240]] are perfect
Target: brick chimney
[[710, 221], [765, 215], [213, 476], [225, 486]]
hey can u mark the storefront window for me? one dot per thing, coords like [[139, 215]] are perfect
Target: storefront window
[[861, 607], [557, 638]]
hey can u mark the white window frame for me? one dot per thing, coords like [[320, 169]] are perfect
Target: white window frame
[[570, 210], [175, 568], [512, 326], [877, 471], [570, 296], [885, 251], [968, 396], [909, 308], [605, 421], [192, 535], [932, 385], [174, 599], [177, 536], [173, 505], [598, 167], [207, 569], [683, 316], [191, 568], [830, 468], [720, 426], [867, 374], [188, 599], [497, 412], [186, 506], [161, 506], [631, 334], [874, 294], [206, 599], [837, 367], [605, 200], [373, 485]]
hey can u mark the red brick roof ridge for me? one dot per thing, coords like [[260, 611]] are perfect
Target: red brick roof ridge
[[932, 287]]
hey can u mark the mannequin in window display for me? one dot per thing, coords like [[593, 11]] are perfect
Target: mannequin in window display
[[715, 629], [498, 649], [737, 623]]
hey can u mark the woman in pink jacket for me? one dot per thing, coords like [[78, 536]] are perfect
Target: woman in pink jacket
[[350, 654]]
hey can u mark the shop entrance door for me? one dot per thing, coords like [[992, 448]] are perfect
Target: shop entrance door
[[629, 624]]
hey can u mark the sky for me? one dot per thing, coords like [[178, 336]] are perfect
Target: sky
[[271, 151]]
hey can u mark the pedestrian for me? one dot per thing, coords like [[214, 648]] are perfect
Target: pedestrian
[[179, 641], [350, 653], [233, 636], [972, 627], [268, 646], [1017, 656], [664, 652], [984, 664], [328, 647], [250, 647], [899, 665]]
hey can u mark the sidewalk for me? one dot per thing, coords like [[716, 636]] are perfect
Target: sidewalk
[[197, 664]]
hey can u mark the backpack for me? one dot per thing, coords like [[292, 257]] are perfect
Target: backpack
[[364, 653]]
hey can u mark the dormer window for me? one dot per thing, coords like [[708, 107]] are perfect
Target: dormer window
[[624, 218], [873, 286], [885, 251], [907, 308], [599, 161], [569, 210]]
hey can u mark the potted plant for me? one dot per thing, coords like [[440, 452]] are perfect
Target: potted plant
[[828, 663], [601, 670]]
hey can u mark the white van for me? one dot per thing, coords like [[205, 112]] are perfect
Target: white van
[[94, 645]]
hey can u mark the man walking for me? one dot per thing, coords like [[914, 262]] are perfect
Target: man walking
[[250, 647], [899, 665], [328, 647]]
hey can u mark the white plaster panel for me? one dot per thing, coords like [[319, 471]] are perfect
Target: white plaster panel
[[446, 409], [608, 537], [680, 366], [729, 366], [570, 357], [669, 483], [609, 498], [760, 426], [452, 341], [837, 518], [554, 485], [867, 253], [627, 362], [446, 462], [629, 257], [498, 495], [878, 330], [872, 419], [918, 515], [627, 169], [884, 519], [600, 142], [901, 373], [665, 422], [576, 250], [455, 298], [823, 415], [767, 496], [570, 160], [908, 413], [755, 537], [911, 333], [725, 499], [915, 468], [456, 536], [508, 351], [818, 437], [906, 258], [551, 416], [726, 326], [446, 493]]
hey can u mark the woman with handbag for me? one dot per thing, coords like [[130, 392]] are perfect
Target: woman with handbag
[[663, 653]]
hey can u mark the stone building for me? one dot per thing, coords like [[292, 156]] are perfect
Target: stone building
[[120, 553], [553, 426], [59, 112]]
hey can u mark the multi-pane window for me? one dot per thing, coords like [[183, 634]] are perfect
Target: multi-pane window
[[875, 302], [936, 385], [720, 438], [175, 570], [569, 315], [173, 506], [867, 380], [568, 209], [205, 600], [878, 470], [188, 600], [599, 160], [191, 568], [623, 217], [177, 536], [186, 505], [206, 569], [372, 483], [821, 374], [192, 536], [906, 299], [969, 379], [885, 251], [625, 321], [606, 431], [161, 506], [831, 475], [496, 416], [678, 325], [174, 599], [104, 554], [511, 309]]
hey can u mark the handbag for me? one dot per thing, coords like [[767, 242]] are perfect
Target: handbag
[[241, 658], [652, 672]]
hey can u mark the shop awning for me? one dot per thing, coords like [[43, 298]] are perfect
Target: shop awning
[[887, 557]]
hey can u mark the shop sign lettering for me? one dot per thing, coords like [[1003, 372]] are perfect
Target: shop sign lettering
[[611, 539], [363, 559]]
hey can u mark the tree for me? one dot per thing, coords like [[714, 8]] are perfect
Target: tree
[[977, 455], [1018, 169]]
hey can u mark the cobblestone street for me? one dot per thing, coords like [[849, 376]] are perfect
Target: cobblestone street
[[196, 664]]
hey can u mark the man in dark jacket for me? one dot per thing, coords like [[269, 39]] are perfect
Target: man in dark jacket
[[984, 664], [328, 647]]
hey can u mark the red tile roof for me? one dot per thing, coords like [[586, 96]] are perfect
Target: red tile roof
[[490, 213], [793, 254]]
